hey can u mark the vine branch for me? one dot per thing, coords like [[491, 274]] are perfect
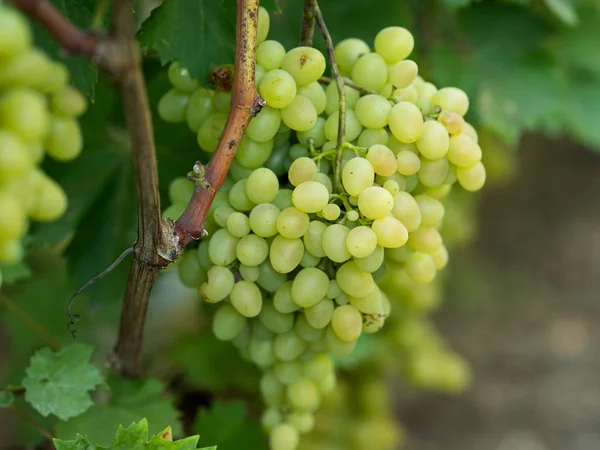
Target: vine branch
[[245, 103], [308, 25]]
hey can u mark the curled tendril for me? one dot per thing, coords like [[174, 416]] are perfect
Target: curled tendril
[[77, 317]]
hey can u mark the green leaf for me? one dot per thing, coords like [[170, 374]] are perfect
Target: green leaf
[[455, 4], [200, 34], [129, 400], [58, 383], [14, 272], [563, 10], [6, 399], [225, 425]]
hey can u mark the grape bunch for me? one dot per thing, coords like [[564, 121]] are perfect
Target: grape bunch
[[312, 244], [38, 115]]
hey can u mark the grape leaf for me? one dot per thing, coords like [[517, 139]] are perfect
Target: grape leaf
[[200, 34], [129, 400], [455, 4], [58, 383], [226, 426], [6, 399], [563, 10]]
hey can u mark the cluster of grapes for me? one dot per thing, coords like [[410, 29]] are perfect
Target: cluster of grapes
[[38, 115], [298, 272]]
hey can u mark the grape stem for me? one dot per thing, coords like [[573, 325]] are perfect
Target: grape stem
[[362, 90], [308, 25], [245, 103]]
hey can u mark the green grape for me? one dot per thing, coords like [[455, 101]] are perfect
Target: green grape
[[407, 163], [313, 238], [333, 98], [222, 248], [222, 101], [370, 263], [264, 126], [246, 298], [432, 210], [473, 178], [464, 152], [200, 106], [271, 389], [203, 257], [56, 78], [249, 273], [278, 88], [269, 279], [357, 175], [309, 260], [434, 141], [406, 210], [15, 161], [319, 367], [354, 281], [181, 190], [370, 71], [433, 173], [64, 141], [274, 320], [333, 241], [173, 105], [270, 418], [302, 170], [292, 223], [316, 134], [174, 211], [283, 199], [306, 331], [451, 99], [261, 352], [426, 92], [284, 437], [440, 191], [361, 242], [310, 285], [375, 202], [264, 22], [50, 201], [371, 304], [69, 102], [269, 54], [277, 159], [319, 315], [421, 268], [298, 151], [387, 90], [238, 197], [25, 113], [353, 126], [238, 225], [337, 346], [285, 254], [303, 421], [331, 212], [452, 121], [227, 323], [369, 138], [219, 283], [252, 154], [189, 270], [263, 220], [300, 114], [391, 186], [346, 323], [390, 232], [406, 122], [262, 186], [288, 346], [260, 73], [303, 395], [372, 111], [407, 94], [210, 131], [316, 94], [440, 257], [310, 196], [252, 250], [348, 51], [403, 73], [11, 251], [238, 172], [181, 79], [394, 43], [305, 64], [15, 35], [27, 69], [382, 159], [426, 240], [282, 301], [221, 214], [13, 221], [469, 131]]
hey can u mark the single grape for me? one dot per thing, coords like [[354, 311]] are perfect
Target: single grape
[[452, 121], [303, 395], [284, 437], [354, 281], [50, 201], [222, 248], [305, 64], [251, 249], [421, 268], [292, 223], [347, 323], [403, 73], [372, 111], [407, 163], [285, 254], [26, 69], [13, 221], [464, 152], [15, 35], [370, 71], [172, 106], [348, 51], [473, 178], [288, 346], [333, 98], [310, 196], [451, 99], [426, 240], [252, 154], [394, 43], [15, 161], [64, 141], [263, 220], [278, 88], [269, 54], [315, 136], [371, 304], [382, 159], [264, 126], [238, 224], [283, 199], [469, 131], [390, 232], [210, 131], [302, 170], [333, 241], [361, 241], [264, 22], [246, 298], [313, 238], [353, 126], [269, 279], [309, 286], [331, 212], [218, 285], [262, 186], [68, 102], [199, 107], [227, 323], [316, 94], [406, 210], [300, 114], [25, 113], [375, 202], [357, 175], [406, 122], [433, 173], [434, 140], [369, 138], [274, 320]]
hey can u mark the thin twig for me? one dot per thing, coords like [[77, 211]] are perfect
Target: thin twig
[[245, 103], [26, 417], [350, 84], [339, 81], [308, 25], [31, 322]]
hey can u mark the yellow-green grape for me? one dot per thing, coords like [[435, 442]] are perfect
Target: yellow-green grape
[[421, 268], [354, 281], [172, 106], [348, 51], [352, 216], [13, 221], [262, 186], [391, 186], [305, 64], [372, 262], [372, 111], [375, 202], [369, 138], [181, 79], [370, 71], [303, 421], [469, 131], [353, 126], [210, 131], [25, 113], [313, 239], [473, 178], [337, 346], [264, 126], [440, 191], [302, 170], [319, 315], [300, 114], [249, 273], [64, 141], [49, 202], [432, 210], [227, 323], [271, 389], [331, 212], [181, 190], [406, 122], [15, 160], [252, 250], [68, 102], [406, 210], [394, 43], [221, 214], [346, 322], [252, 154], [306, 331], [433, 173], [382, 159], [310, 196], [452, 121], [390, 232], [263, 220], [15, 35], [284, 437], [451, 99], [199, 107], [238, 224], [11, 251], [292, 223], [464, 152], [426, 92], [357, 175], [269, 279], [238, 197], [440, 257], [282, 301], [264, 22], [222, 248], [269, 54], [316, 135], [333, 241], [309, 286], [274, 320], [371, 304], [27, 69], [407, 94], [403, 73], [303, 395], [218, 284], [189, 270], [316, 94], [333, 98], [246, 298], [361, 241], [285, 254], [426, 240], [288, 346], [56, 78], [270, 418], [407, 163], [434, 141], [278, 88]]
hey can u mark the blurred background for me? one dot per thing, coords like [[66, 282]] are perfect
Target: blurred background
[[519, 300]]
